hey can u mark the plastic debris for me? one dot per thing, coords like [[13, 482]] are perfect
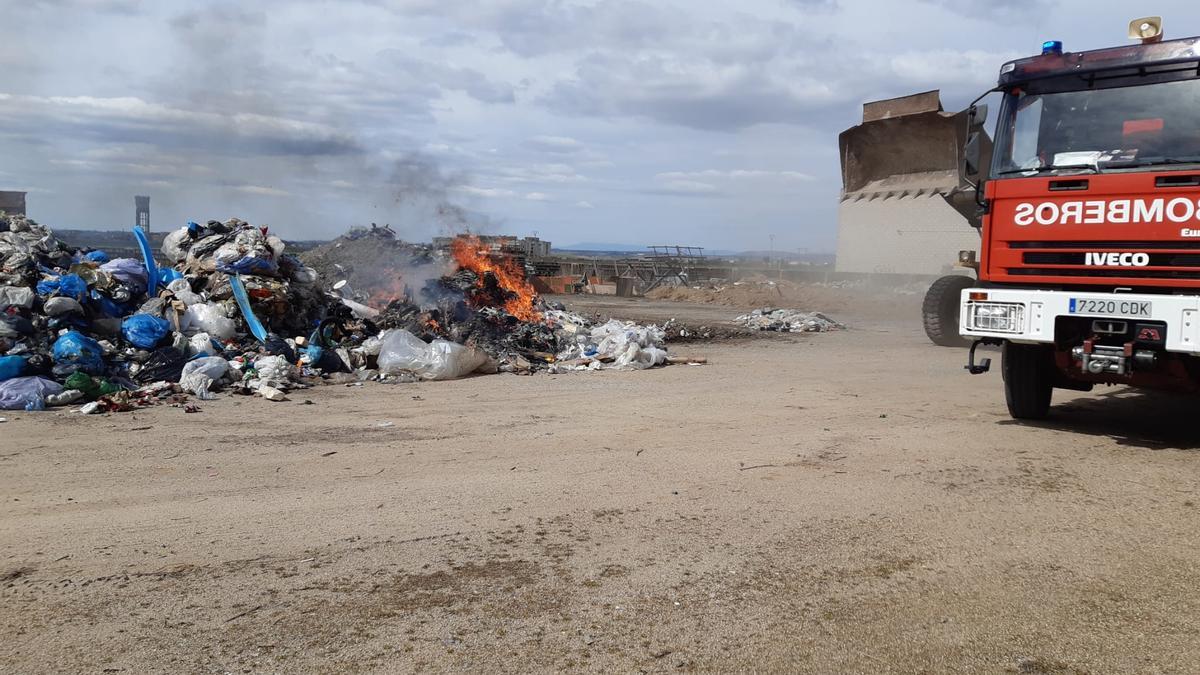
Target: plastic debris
[[227, 307], [13, 366], [145, 331], [402, 351], [788, 321], [27, 393], [75, 351]]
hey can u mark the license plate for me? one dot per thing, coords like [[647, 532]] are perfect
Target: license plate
[[1136, 308]]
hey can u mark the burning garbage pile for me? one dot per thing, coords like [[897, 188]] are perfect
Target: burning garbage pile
[[787, 321], [234, 312], [488, 305]]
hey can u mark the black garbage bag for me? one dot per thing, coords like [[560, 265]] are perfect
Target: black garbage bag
[[277, 346], [12, 326], [164, 364]]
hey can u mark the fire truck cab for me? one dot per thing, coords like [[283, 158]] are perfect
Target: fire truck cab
[[1089, 268]]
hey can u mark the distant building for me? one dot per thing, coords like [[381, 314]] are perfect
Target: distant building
[[141, 212], [528, 247], [12, 202]]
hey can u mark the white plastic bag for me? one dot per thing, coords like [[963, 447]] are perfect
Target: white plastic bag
[[16, 296], [175, 245], [208, 318], [273, 371], [402, 351], [183, 292], [199, 375], [200, 343], [214, 367]]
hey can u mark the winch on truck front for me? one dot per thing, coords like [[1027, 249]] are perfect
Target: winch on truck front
[[1089, 209]]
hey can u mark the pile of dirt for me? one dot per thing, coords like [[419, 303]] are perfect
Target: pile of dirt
[[745, 294], [759, 292]]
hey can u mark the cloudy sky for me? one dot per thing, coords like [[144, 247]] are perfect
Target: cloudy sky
[[637, 121]]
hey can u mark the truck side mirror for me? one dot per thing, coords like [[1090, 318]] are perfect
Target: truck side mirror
[[977, 116], [973, 151], [971, 155]]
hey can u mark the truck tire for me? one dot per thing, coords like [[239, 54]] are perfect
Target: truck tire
[[939, 311], [1028, 372]]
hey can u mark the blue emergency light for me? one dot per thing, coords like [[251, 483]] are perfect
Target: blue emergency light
[[1052, 47]]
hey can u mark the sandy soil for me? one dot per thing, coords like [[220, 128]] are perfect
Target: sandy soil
[[841, 502]]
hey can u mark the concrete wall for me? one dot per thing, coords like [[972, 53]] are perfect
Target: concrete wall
[[901, 235]]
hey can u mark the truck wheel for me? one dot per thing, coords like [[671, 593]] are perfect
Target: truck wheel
[[1028, 380], [940, 310]]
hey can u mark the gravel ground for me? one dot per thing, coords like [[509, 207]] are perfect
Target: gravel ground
[[839, 502]]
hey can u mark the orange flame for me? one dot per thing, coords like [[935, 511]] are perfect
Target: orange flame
[[471, 254]]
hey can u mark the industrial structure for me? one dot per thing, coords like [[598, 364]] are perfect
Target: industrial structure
[[141, 212]]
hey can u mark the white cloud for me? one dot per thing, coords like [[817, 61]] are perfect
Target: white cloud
[[688, 187], [584, 204], [537, 197], [491, 193], [561, 145], [129, 118], [262, 191]]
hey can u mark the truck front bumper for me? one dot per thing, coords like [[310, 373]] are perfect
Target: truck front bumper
[[1029, 316]]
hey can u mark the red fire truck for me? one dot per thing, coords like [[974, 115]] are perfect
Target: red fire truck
[[1089, 268]]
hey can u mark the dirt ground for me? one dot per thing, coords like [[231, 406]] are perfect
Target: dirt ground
[[841, 502]]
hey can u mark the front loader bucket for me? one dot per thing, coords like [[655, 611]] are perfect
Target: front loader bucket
[[908, 144]]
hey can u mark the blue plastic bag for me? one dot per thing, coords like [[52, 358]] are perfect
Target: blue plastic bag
[[76, 349], [97, 257], [166, 275], [250, 265], [27, 393], [107, 306], [12, 366], [145, 331], [68, 285]]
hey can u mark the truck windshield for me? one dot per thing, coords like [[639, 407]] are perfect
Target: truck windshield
[[1045, 127]]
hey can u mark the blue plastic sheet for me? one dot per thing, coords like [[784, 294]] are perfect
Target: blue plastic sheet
[[145, 331], [243, 302], [147, 259], [76, 349], [97, 257]]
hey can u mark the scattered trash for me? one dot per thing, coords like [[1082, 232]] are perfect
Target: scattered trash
[[232, 311], [788, 321]]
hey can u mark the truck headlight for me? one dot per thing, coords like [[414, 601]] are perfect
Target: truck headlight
[[996, 317]]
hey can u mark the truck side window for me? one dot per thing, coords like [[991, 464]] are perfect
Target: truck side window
[[1025, 133]]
